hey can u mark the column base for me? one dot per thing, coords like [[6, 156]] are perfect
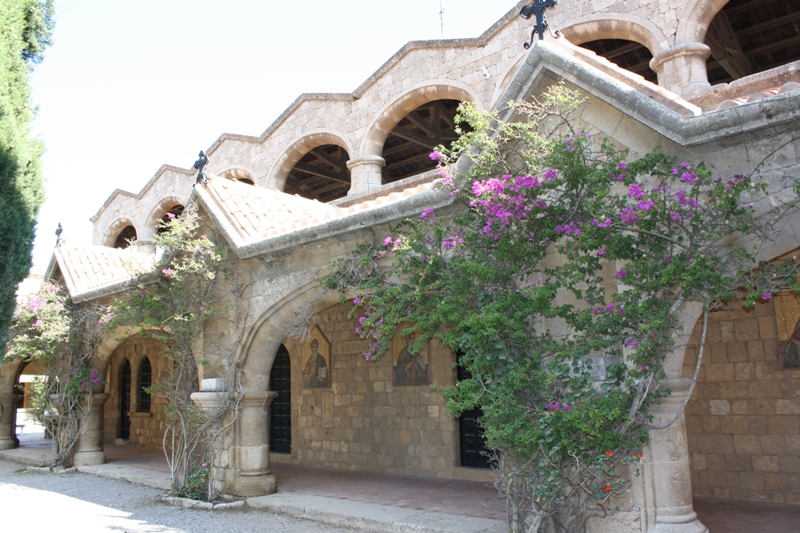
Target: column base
[[679, 524], [248, 486], [87, 458], [8, 444]]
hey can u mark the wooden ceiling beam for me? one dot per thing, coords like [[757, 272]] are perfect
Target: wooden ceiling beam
[[408, 161], [338, 164], [409, 135], [421, 124], [321, 173]]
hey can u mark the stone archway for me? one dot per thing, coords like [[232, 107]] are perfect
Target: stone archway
[[119, 233], [299, 148], [163, 207]]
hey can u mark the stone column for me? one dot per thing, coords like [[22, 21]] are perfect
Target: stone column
[[682, 67], [252, 476], [8, 420], [365, 174], [89, 449], [667, 468]]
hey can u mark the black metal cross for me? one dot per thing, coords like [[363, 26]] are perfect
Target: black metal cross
[[200, 165], [537, 8]]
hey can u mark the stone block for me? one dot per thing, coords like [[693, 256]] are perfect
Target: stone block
[[715, 444], [784, 425], [767, 328], [715, 461], [751, 480], [720, 407], [738, 462], [719, 372], [746, 329], [747, 444], [767, 463], [744, 371], [790, 464], [788, 407], [773, 444], [734, 424]]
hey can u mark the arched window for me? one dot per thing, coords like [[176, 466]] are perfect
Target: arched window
[[174, 212], [751, 36], [629, 55], [125, 237], [321, 174], [408, 147], [144, 383], [124, 430]]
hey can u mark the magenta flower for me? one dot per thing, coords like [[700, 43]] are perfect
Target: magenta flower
[[170, 215], [601, 253], [167, 272], [635, 191], [357, 300], [766, 296], [632, 343], [621, 274], [388, 241], [435, 155]]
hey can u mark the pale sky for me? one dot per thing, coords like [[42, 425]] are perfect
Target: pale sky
[[130, 85]]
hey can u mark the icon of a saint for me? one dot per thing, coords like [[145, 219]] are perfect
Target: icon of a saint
[[315, 373], [410, 369]]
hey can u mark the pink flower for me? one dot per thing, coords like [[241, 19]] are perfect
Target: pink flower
[[601, 253], [357, 300], [435, 155], [388, 241], [766, 296], [38, 324], [621, 274], [170, 215], [167, 272]]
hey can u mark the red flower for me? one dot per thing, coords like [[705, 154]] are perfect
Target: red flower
[[607, 488], [609, 453], [639, 454]]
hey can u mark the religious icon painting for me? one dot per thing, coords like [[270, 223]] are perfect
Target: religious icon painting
[[787, 316], [317, 361], [409, 369]]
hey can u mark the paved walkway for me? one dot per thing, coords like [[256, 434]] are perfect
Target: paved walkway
[[395, 503]]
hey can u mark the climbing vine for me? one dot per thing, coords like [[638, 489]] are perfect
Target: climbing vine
[[558, 274], [190, 285], [63, 337]]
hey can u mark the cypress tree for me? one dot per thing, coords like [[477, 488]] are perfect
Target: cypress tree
[[25, 30]]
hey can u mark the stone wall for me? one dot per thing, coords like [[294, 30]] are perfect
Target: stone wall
[[743, 422], [365, 422], [147, 429]]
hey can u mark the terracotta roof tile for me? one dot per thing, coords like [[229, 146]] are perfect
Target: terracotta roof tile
[[255, 213], [87, 268], [758, 95]]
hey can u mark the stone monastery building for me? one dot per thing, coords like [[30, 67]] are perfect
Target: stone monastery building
[[705, 80]]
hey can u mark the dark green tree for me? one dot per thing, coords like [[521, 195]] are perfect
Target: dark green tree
[[25, 30]]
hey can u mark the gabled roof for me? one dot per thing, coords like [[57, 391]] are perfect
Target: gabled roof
[[256, 221], [91, 271]]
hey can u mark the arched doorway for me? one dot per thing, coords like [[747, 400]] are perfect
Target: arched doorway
[[280, 420]]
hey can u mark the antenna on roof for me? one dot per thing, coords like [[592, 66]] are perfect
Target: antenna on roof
[[441, 18]]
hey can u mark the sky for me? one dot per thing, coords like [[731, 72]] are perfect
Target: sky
[[130, 85]]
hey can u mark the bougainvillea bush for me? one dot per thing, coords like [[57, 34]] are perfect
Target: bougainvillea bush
[[556, 275], [63, 338]]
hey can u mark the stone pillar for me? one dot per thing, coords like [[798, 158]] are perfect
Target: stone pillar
[[89, 449], [252, 476], [365, 174], [8, 420], [682, 67], [667, 479]]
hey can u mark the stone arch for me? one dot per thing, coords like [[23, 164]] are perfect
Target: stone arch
[[115, 229], [161, 208], [269, 332], [238, 173], [392, 114], [617, 26], [299, 148], [696, 18]]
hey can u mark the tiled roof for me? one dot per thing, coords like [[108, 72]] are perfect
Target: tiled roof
[[249, 214], [88, 268], [759, 95]]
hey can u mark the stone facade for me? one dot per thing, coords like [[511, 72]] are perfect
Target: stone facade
[[740, 434], [364, 421], [743, 422], [146, 427]]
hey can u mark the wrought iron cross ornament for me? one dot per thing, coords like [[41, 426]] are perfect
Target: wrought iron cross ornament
[[537, 8]]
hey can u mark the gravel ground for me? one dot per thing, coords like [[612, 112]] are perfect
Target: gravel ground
[[84, 503]]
